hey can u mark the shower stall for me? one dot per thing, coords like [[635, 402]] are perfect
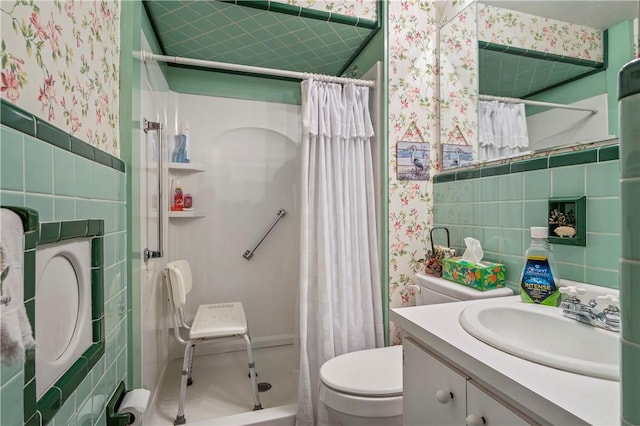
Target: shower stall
[[241, 234], [243, 170]]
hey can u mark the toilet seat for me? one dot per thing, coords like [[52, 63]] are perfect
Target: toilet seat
[[364, 383]]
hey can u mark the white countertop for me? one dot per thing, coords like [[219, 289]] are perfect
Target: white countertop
[[559, 397]]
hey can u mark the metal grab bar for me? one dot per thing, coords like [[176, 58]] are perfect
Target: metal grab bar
[[249, 253], [147, 253]]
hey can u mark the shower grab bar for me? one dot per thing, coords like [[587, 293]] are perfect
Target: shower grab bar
[[147, 253], [249, 253]]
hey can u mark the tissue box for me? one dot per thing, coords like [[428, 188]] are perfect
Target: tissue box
[[486, 276]]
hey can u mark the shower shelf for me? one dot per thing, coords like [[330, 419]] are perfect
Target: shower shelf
[[187, 214], [182, 169], [186, 167]]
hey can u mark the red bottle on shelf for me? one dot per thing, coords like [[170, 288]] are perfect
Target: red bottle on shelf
[[178, 200]]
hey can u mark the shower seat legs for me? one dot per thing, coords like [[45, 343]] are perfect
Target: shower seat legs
[[257, 405], [188, 353], [189, 380], [187, 369]]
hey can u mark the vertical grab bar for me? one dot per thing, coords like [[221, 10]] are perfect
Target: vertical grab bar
[[147, 253], [248, 254]]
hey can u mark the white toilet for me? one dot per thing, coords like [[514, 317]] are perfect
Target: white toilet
[[365, 387]]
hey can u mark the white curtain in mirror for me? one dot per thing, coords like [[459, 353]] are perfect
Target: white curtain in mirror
[[340, 295], [502, 129]]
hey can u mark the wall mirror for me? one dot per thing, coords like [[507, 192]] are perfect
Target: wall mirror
[[502, 62]]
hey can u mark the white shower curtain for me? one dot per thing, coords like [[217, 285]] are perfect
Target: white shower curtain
[[502, 130], [340, 304]]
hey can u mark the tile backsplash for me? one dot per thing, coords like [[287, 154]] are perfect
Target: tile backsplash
[[63, 185], [499, 210]]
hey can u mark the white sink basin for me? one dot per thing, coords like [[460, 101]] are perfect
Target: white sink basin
[[541, 334]]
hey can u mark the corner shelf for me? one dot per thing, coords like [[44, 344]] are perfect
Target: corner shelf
[[182, 169], [186, 167], [187, 214]]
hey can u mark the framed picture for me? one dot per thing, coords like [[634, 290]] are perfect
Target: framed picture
[[412, 160], [454, 156]]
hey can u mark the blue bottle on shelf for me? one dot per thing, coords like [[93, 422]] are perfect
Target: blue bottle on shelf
[[182, 146]]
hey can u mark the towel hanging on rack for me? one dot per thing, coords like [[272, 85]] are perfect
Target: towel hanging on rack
[[16, 334]]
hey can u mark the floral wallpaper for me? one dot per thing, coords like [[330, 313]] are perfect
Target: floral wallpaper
[[447, 10], [459, 79], [60, 61], [366, 9], [413, 39], [510, 28]]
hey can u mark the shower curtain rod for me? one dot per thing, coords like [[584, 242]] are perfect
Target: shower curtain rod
[[149, 56], [536, 103]]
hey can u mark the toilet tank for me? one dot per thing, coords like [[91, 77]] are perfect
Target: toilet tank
[[433, 290]]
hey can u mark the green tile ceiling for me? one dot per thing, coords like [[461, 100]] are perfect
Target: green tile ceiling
[[225, 32], [518, 76]]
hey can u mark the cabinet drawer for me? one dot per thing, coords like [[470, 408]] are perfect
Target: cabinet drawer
[[490, 410], [433, 393]]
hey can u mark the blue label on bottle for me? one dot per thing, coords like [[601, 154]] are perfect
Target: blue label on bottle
[[537, 279]]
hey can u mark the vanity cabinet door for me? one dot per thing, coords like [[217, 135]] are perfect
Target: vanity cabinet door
[[482, 409], [433, 394]]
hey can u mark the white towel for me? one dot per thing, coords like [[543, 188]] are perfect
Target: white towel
[[15, 331]]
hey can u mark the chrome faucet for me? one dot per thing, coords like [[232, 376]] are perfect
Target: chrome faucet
[[572, 307]]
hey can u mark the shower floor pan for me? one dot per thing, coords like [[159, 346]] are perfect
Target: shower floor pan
[[221, 390]]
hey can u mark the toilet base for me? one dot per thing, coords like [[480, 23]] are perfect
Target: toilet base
[[337, 418]]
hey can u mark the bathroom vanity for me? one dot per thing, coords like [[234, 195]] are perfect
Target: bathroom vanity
[[452, 378]]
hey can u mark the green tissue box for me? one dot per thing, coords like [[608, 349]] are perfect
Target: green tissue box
[[485, 277]]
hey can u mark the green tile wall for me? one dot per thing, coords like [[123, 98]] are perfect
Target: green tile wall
[[499, 210], [629, 93], [11, 160], [73, 188]]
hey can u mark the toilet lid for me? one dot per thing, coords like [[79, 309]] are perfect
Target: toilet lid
[[371, 372]]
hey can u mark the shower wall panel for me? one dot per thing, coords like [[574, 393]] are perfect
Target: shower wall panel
[[250, 152], [157, 105]]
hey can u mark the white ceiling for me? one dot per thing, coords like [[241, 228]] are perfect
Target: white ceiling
[[600, 14]]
